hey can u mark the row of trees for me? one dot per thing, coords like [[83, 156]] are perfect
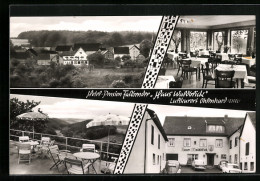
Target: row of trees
[[54, 38]]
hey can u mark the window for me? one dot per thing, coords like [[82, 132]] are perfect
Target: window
[[245, 166], [215, 129], [235, 158], [153, 159], [219, 143], [230, 159], [247, 148], [223, 156], [252, 166], [236, 141], [186, 142], [230, 144], [171, 142], [241, 165], [218, 41], [195, 142], [192, 157], [157, 159], [152, 135], [239, 41], [203, 143], [159, 141], [198, 40]]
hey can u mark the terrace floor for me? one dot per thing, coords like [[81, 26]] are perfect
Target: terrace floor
[[40, 166]]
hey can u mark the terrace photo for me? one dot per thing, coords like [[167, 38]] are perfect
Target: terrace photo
[[48, 134]]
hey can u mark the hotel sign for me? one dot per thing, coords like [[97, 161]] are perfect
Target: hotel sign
[[194, 149]]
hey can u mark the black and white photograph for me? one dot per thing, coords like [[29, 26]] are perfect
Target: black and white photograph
[[81, 51], [176, 139], [211, 51], [51, 135]]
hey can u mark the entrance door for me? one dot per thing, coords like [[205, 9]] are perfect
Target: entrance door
[[171, 156], [210, 159]]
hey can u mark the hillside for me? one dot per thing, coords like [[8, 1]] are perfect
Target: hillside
[[46, 38], [56, 123]]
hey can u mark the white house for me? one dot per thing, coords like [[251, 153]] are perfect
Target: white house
[[134, 52], [203, 138], [148, 152], [75, 57], [248, 144]]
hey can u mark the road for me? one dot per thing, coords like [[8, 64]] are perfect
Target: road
[[186, 169]]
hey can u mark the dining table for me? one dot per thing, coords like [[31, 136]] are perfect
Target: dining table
[[248, 60], [33, 144], [163, 82], [240, 72], [224, 56], [91, 157], [197, 62]]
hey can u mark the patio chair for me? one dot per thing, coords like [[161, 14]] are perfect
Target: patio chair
[[177, 83], [206, 74], [24, 139], [88, 148], [110, 166], [58, 156], [74, 166], [186, 68], [43, 147], [224, 79], [24, 152]]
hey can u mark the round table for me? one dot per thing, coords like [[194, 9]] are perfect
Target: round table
[[90, 156], [33, 144]]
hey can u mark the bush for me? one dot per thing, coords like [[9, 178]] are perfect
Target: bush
[[118, 84], [54, 83], [128, 79]]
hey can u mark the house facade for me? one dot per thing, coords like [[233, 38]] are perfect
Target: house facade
[[148, 152], [203, 138], [75, 57], [248, 144], [134, 52]]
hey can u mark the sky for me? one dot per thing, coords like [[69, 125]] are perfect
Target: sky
[[85, 23], [77, 108], [88, 109]]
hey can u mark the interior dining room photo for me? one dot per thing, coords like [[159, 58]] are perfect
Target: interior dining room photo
[[211, 51]]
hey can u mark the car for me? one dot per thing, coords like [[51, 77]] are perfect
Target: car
[[231, 168], [198, 165], [172, 166], [222, 163]]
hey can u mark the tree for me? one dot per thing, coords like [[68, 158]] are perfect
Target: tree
[[18, 107], [126, 57], [96, 59], [219, 40], [145, 47]]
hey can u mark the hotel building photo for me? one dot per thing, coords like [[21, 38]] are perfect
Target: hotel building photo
[[188, 138]]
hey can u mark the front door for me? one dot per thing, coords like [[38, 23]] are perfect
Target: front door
[[210, 159]]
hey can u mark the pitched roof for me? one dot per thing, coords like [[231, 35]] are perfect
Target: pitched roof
[[87, 46], [21, 55], [32, 51], [134, 46], [121, 50], [44, 56], [252, 116], [157, 123], [179, 125], [63, 48], [68, 53]]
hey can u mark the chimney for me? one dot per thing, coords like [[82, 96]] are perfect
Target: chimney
[[226, 117]]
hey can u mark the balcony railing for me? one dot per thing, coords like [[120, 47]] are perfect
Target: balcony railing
[[106, 149]]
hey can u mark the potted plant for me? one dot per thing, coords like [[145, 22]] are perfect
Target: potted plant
[[226, 48]]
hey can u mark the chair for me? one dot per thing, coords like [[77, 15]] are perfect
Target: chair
[[231, 57], [238, 58], [23, 139], [44, 144], [110, 166], [224, 79], [186, 68], [76, 166], [58, 156], [207, 76], [179, 64], [177, 83], [24, 152], [88, 148]]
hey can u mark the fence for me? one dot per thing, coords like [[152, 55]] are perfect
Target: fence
[[106, 149]]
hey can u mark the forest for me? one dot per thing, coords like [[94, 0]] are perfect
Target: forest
[[46, 38]]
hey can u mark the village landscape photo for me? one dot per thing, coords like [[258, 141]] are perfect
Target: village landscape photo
[[80, 52]]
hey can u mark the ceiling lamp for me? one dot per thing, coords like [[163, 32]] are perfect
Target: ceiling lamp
[[186, 21]]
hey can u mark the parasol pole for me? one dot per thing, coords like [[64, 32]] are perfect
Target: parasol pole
[[108, 140]]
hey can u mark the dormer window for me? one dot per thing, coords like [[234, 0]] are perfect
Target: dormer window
[[215, 129]]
